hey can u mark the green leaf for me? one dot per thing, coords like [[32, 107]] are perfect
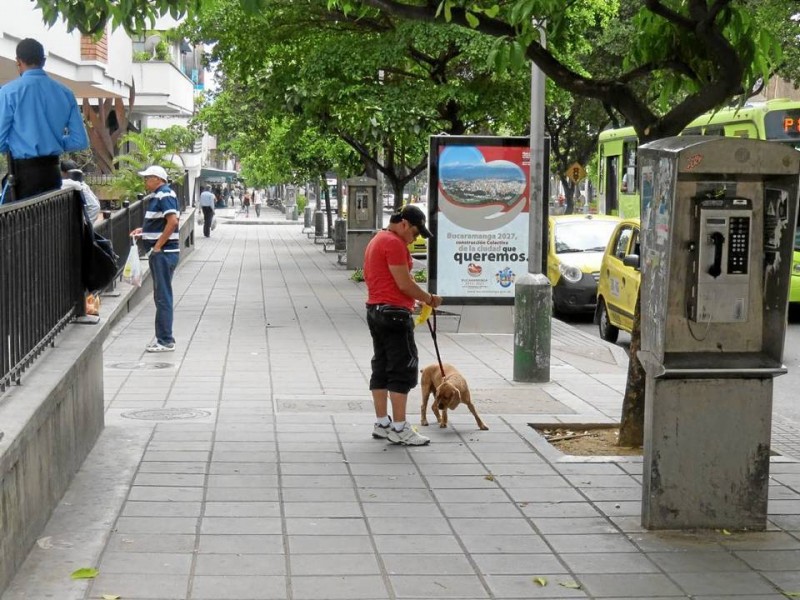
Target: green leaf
[[540, 581], [570, 585], [492, 12], [85, 573], [472, 20]]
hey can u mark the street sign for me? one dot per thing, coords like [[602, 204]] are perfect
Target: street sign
[[576, 172]]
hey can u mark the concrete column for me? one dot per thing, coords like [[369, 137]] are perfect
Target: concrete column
[[532, 332]]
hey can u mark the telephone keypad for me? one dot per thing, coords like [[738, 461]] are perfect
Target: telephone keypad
[[739, 242]]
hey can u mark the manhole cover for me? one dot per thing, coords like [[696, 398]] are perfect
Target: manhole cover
[[166, 414], [132, 366]]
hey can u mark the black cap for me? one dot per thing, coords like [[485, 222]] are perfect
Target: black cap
[[415, 216]]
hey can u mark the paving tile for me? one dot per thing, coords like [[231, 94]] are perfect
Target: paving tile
[[771, 560], [242, 509], [608, 562], [425, 564], [322, 526], [417, 526], [476, 526], [574, 525], [173, 467], [504, 544], [438, 586], [723, 584], [334, 564], [242, 494], [329, 544], [476, 510], [242, 481], [518, 564], [135, 586], [350, 587], [146, 563], [240, 564], [241, 525], [161, 509], [589, 543], [241, 544], [144, 542], [629, 585], [166, 494], [391, 510], [407, 544], [522, 586], [241, 587], [185, 525], [558, 509]]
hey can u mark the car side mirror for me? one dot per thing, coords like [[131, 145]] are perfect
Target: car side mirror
[[631, 260]]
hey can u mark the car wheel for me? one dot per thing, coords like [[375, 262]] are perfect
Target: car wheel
[[607, 331]]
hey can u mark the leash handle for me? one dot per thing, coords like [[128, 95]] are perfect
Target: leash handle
[[432, 329]]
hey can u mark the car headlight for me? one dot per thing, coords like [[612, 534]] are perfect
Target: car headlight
[[571, 274]]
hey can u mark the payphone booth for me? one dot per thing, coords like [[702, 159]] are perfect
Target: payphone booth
[[718, 222], [363, 218]]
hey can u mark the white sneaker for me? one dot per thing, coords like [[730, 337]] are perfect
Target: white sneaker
[[156, 347], [381, 432], [408, 437]]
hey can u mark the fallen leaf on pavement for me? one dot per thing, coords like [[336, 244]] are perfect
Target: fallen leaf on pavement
[[570, 584], [540, 581], [111, 596], [85, 573]]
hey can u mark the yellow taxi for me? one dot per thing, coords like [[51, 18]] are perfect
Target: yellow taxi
[[419, 247], [619, 281], [575, 249]]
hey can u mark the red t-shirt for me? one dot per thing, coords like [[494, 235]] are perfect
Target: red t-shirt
[[385, 249]]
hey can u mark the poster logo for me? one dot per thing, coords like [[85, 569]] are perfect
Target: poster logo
[[505, 277], [474, 270]]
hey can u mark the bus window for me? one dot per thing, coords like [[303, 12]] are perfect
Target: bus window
[[716, 130], [745, 130], [782, 124], [629, 153], [692, 131]]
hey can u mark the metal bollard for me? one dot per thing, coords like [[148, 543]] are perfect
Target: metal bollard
[[340, 235]]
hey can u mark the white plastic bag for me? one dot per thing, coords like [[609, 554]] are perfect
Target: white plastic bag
[[213, 222], [132, 273], [200, 218]]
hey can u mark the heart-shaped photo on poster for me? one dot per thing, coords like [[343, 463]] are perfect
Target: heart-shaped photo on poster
[[480, 194]]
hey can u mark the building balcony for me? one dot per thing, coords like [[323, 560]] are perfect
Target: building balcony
[[161, 89]]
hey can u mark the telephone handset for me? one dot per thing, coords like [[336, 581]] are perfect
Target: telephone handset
[[719, 282]]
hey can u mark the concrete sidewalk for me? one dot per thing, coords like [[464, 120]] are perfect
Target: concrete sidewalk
[[241, 466]]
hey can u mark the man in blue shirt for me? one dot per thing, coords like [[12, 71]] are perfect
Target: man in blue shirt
[[161, 238], [207, 200], [39, 120]]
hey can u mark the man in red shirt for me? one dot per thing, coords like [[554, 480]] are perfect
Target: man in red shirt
[[391, 295]]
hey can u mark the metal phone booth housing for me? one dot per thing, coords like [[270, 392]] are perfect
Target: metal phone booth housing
[[362, 218], [718, 220]]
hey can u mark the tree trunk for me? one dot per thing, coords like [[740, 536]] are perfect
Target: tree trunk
[[397, 190], [631, 430]]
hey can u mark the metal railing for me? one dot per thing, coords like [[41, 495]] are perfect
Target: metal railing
[[118, 227], [40, 277]]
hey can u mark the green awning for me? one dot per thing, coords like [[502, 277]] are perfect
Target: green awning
[[218, 175]]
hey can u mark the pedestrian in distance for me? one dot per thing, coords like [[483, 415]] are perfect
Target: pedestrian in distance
[[39, 120], [391, 292], [246, 205], [161, 239], [207, 201], [258, 200]]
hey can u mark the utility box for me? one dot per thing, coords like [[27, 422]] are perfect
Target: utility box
[[363, 218], [718, 219]]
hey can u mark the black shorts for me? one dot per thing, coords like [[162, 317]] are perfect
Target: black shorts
[[395, 363]]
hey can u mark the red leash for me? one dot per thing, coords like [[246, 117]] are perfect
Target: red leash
[[435, 342]]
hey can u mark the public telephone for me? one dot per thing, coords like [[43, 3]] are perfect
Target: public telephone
[[720, 278], [362, 206]]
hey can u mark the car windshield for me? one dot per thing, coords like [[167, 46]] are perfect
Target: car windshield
[[583, 236]]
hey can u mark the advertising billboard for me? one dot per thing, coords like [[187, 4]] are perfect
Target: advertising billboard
[[478, 199]]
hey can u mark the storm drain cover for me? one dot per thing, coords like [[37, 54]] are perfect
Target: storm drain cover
[[166, 414], [133, 366]]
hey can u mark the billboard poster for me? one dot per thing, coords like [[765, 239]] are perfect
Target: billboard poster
[[479, 204]]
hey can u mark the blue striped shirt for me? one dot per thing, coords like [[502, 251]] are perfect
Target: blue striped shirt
[[161, 203], [39, 117]]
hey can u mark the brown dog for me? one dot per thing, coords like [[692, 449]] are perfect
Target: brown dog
[[448, 392]]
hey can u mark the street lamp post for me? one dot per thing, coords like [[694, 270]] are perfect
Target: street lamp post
[[533, 295]]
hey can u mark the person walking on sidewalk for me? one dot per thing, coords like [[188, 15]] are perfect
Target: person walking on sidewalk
[[391, 292], [161, 237], [246, 205], [258, 200], [207, 200], [39, 120]]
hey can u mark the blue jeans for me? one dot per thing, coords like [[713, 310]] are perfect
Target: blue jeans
[[162, 266]]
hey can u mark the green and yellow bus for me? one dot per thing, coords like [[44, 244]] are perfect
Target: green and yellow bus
[[618, 176]]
